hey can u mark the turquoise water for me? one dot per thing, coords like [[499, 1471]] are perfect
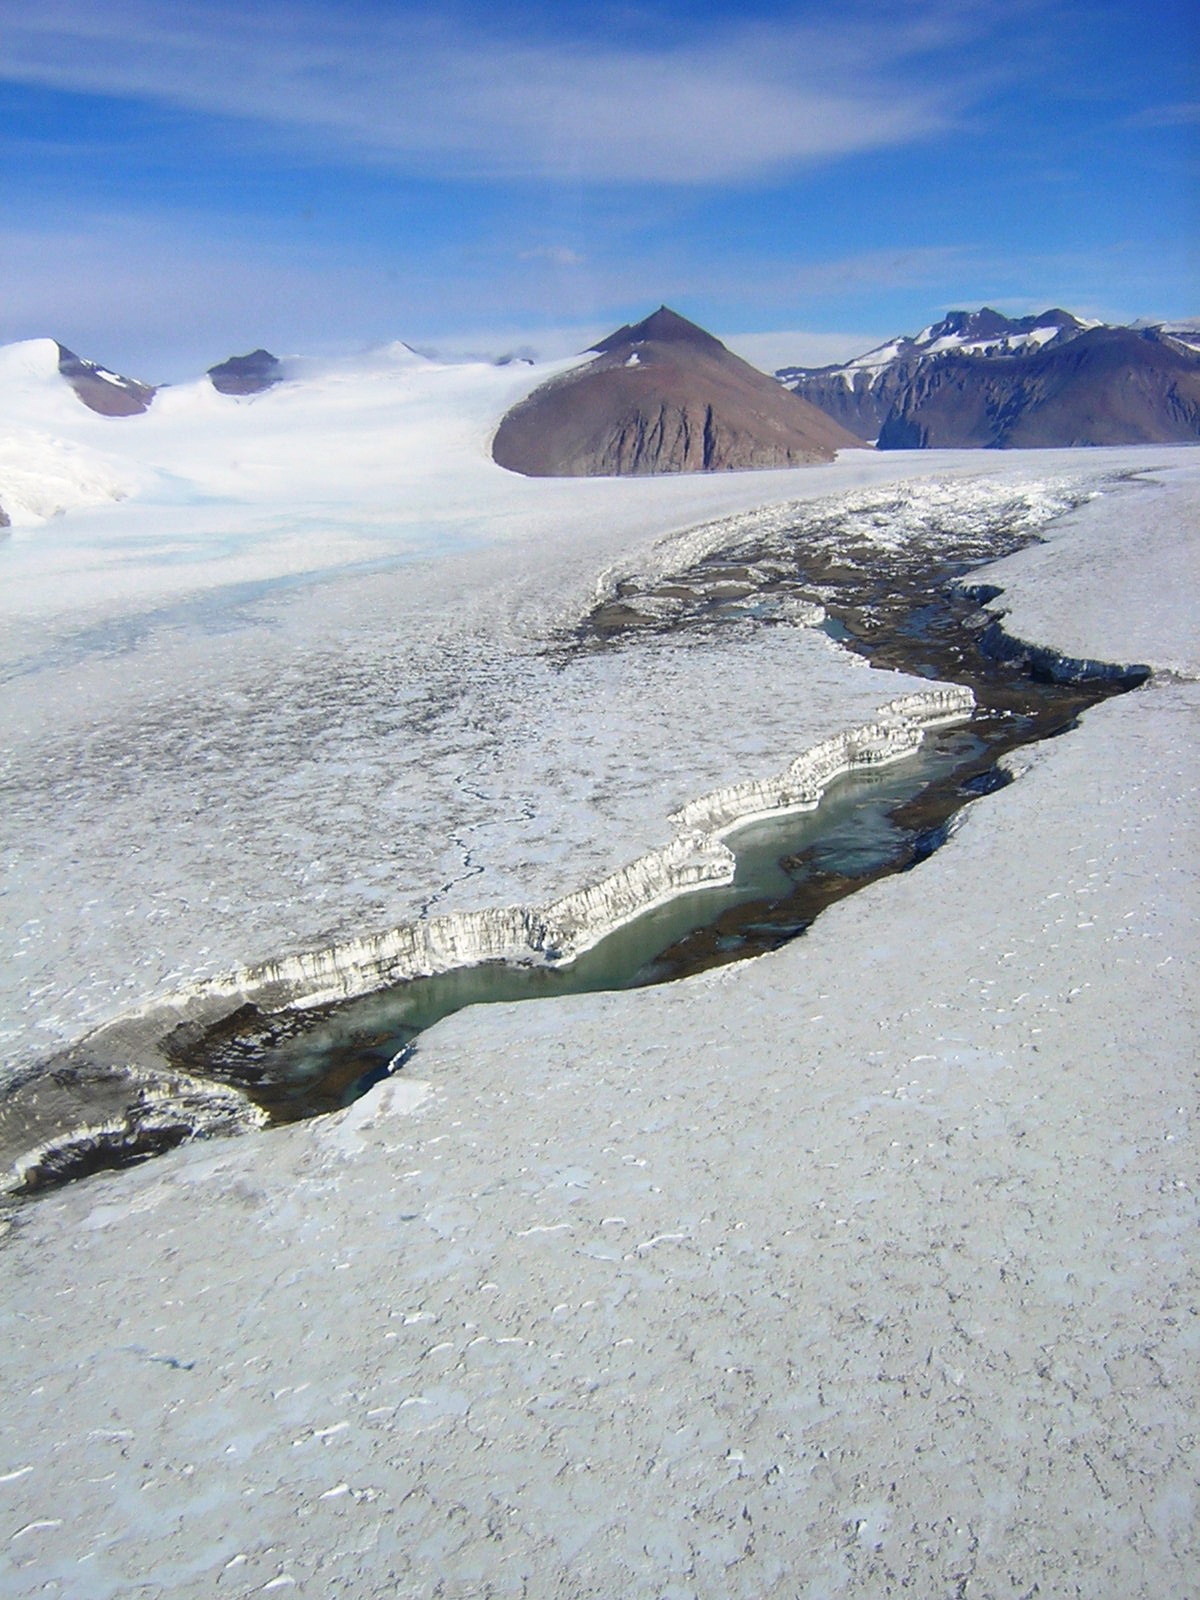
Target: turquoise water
[[851, 835]]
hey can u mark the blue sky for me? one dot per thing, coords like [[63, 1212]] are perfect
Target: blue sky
[[188, 180]]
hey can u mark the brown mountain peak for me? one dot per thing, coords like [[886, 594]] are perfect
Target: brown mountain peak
[[663, 326], [662, 395]]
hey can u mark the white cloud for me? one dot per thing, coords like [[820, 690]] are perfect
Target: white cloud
[[163, 298], [800, 348], [413, 91], [556, 254], [164, 303]]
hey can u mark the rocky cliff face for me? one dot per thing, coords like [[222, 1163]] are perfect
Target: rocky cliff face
[[978, 378], [663, 396], [1108, 386]]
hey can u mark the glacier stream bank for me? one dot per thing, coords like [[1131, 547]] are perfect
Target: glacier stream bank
[[280, 770]]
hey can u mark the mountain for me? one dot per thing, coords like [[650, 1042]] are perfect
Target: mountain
[[861, 394], [102, 391], [1187, 332], [1108, 386], [978, 378], [662, 396], [250, 374]]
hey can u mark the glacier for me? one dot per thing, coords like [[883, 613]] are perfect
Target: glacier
[[856, 1265]]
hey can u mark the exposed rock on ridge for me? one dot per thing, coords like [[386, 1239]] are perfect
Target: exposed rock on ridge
[[249, 374], [978, 378], [1108, 386], [662, 396], [102, 391]]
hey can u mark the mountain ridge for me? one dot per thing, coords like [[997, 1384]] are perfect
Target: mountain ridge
[[980, 379]]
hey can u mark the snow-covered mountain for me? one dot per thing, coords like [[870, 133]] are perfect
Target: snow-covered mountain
[[280, 436], [980, 378], [254, 432]]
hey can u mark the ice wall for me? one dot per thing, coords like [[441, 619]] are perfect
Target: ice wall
[[555, 934]]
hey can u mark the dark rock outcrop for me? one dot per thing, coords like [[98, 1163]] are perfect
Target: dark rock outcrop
[[249, 374], [102, 391], [863, 393], [662, 396]]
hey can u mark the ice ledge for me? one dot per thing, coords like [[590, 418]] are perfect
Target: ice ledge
[[555, 934]]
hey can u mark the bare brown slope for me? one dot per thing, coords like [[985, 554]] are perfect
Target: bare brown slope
[[663, 396], [107, 393]]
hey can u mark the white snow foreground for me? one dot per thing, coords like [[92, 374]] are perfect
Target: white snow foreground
[[866, 1264]]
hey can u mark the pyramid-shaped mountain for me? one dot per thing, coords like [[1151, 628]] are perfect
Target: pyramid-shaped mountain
[[663, 396]]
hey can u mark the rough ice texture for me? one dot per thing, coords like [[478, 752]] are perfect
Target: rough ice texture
[[559, 932], [295, 718], [150, 1110]]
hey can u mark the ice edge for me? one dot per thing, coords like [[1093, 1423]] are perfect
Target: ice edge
[[557, 933]]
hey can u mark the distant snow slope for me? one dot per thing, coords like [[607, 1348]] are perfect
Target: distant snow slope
[[373, 458], [50, 460]]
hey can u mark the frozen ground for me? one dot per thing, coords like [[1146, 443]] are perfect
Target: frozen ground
[[867, 1267]]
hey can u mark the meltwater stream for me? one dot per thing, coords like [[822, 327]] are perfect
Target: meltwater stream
[[903, 609], [295, 1063]]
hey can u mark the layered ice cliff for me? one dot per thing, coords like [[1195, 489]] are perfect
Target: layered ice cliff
[[555, 934]]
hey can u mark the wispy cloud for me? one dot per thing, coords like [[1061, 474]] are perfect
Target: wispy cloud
[[164, 304], [413, 90], [1183, 115], [557, 255]]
